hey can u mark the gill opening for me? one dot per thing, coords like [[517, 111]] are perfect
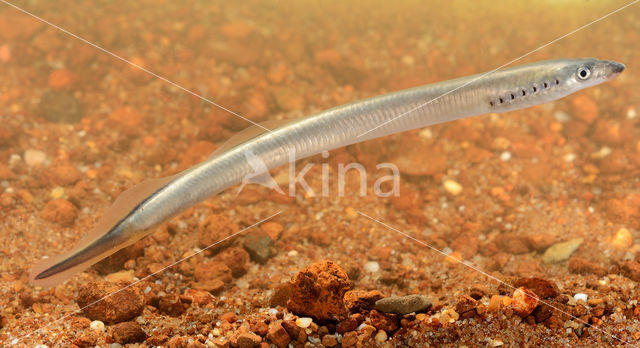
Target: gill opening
[[524, 92]]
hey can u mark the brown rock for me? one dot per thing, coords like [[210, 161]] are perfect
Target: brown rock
[[318, 290], [524, 301], [61, 79], [272, 229], [248, 340], [172, 305], [213, 270], [541, 287], [199, 297], [214, 229], [329, 341], [128, 332], [63, 175], [360, 300], [384, 321], [60, 211], [292, 329], [229, 317], [212, 285], [466, 304], [349, 324], [541, 241], [123, 303], [280, 295], [260, 247], [631, 270], [579, 265], [278, 335], [349, 339], [237, 259], [127, 121], [542, 313], [512, 243]]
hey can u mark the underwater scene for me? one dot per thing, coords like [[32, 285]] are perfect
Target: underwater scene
[[319, 173]]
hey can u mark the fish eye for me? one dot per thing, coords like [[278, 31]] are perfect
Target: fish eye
[[583, 73]]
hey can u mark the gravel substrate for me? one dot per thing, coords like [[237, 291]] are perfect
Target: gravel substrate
[[535, 214]]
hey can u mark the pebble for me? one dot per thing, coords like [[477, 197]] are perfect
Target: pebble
[[127, 121], [505, 156], [278, 335], [60, 211], [381, 336], [581, 297], [214, 230], [272, 229], [452, 187], [34, 158], [237, 259], [318, 290], [372, 267], [304, 322], [123, 304], [59, 107], [128, 332], [403, 304], [97, 325], [561, 251], [260, 247], [622, 239], [524, 301], [361, 300]]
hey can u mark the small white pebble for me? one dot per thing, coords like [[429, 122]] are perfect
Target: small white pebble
[[242, 283], [41, 346], [304, 322], [57, 192], [505, 156], [97, 325], [273, 311], [570, 157], [115, 345], [292, 253], [361, 326], [34, 157], [426, 133], [562, 117], [580, 297], [631, 113], [372, 267], [452, 187], [381, 336]]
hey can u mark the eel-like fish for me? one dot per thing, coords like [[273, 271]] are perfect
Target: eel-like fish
[[153, 201]]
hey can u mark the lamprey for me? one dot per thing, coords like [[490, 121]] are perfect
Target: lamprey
[[151, 202]]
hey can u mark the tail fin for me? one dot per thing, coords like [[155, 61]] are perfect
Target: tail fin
[[90, 249]]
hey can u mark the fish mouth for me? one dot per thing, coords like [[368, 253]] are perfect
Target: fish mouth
[[614, 68]]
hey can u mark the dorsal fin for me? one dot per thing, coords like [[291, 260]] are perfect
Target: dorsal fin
[[249, 133], [122, 206]]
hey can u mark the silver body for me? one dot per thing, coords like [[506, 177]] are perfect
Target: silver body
[[496, 91], [344, 125]]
